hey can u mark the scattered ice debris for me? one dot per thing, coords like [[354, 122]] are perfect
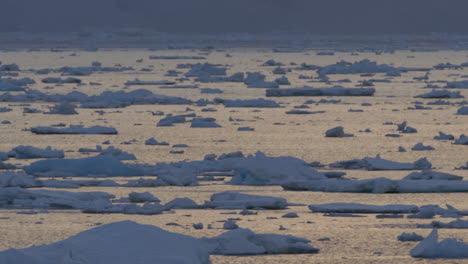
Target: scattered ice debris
[[260, 103], [443, 136], [30, 152], [463, 140], [140, 82], [447, 248], [78, 129], [331, 91], [60, 80], [118, 243], [439, 94], [420, 147], [99, 166], [410, 237], [144, 197], [431, 175], [337, 132], [63, 109], [206, 122], [378, 163], [234, 200], [362, 208], [245, 242], [153, 142]]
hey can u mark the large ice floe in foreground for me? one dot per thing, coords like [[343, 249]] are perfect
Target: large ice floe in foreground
[[99, 166], [448, 248], [116, 243], [129, 242], [331, 91]]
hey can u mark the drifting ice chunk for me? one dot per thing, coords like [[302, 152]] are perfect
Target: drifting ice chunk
[[420, 147], [139, 82], [103, 166], [443, 136], [463, 110], [75, 130], [379, 185], [52, 199], [204, 123], [410, 237], [233, 200], [458, 84], [337, 132], [59, 80], [63, 109], [13, 179], [463, 140], [363, 66], [439, 94], [363, 208], [29, 152], [118, 243], [262, 170], [431, 175], [447, 248], [153, 142], [332, 91], [142, 197], [378, 163], [261, 103], [245, 242]]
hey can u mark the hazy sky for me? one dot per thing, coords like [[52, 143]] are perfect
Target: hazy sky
[[316, 16]]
